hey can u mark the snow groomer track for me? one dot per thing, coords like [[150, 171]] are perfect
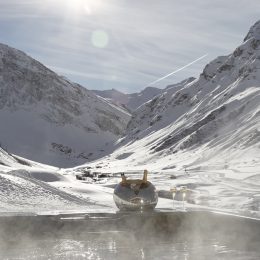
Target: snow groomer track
[[147, 235]]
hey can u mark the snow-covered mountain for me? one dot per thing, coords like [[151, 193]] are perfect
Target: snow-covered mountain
[[203, 134], [212, 120], [113, 95], [46, 118], [129, 101], [137, 99]]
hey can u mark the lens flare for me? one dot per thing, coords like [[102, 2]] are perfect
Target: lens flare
[[99, 39]]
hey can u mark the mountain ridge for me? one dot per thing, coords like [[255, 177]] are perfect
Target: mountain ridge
[[134, 100], [211, 120], [43, 112]]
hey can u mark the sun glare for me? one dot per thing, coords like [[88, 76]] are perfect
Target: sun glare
[[82, 7]]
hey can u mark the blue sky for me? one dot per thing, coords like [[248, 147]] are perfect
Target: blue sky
[[125, 44]]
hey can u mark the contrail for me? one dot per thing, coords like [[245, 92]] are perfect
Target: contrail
[[184, 67]]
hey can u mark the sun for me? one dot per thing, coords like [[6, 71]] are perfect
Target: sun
[[87, 7]]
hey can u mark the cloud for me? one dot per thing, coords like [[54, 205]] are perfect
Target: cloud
[[86, 75], [146, 39]]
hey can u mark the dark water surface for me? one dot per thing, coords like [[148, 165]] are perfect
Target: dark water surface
[[154, 235]]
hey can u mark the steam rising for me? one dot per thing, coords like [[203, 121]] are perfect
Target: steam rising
[[179, 235]]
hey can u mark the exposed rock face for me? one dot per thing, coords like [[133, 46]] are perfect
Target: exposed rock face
[[254, 32], [39, 108]]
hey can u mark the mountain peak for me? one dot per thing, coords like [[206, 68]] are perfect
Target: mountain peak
[[254, 32]]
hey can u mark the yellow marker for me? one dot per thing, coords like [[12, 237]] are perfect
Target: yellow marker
[[173, 190]]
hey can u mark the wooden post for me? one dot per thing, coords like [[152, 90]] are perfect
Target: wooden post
[[145, 176], [123, 178]]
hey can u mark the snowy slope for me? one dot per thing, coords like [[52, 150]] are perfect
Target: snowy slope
[[9, 162], [36, 192], [46, 118]]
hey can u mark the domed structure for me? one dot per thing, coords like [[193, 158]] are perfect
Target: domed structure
[[135, 194]]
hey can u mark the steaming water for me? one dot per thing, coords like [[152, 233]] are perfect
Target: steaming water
[[114, 248], [130, 237]]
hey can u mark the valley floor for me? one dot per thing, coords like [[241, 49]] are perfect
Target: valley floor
[[37, 191]]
